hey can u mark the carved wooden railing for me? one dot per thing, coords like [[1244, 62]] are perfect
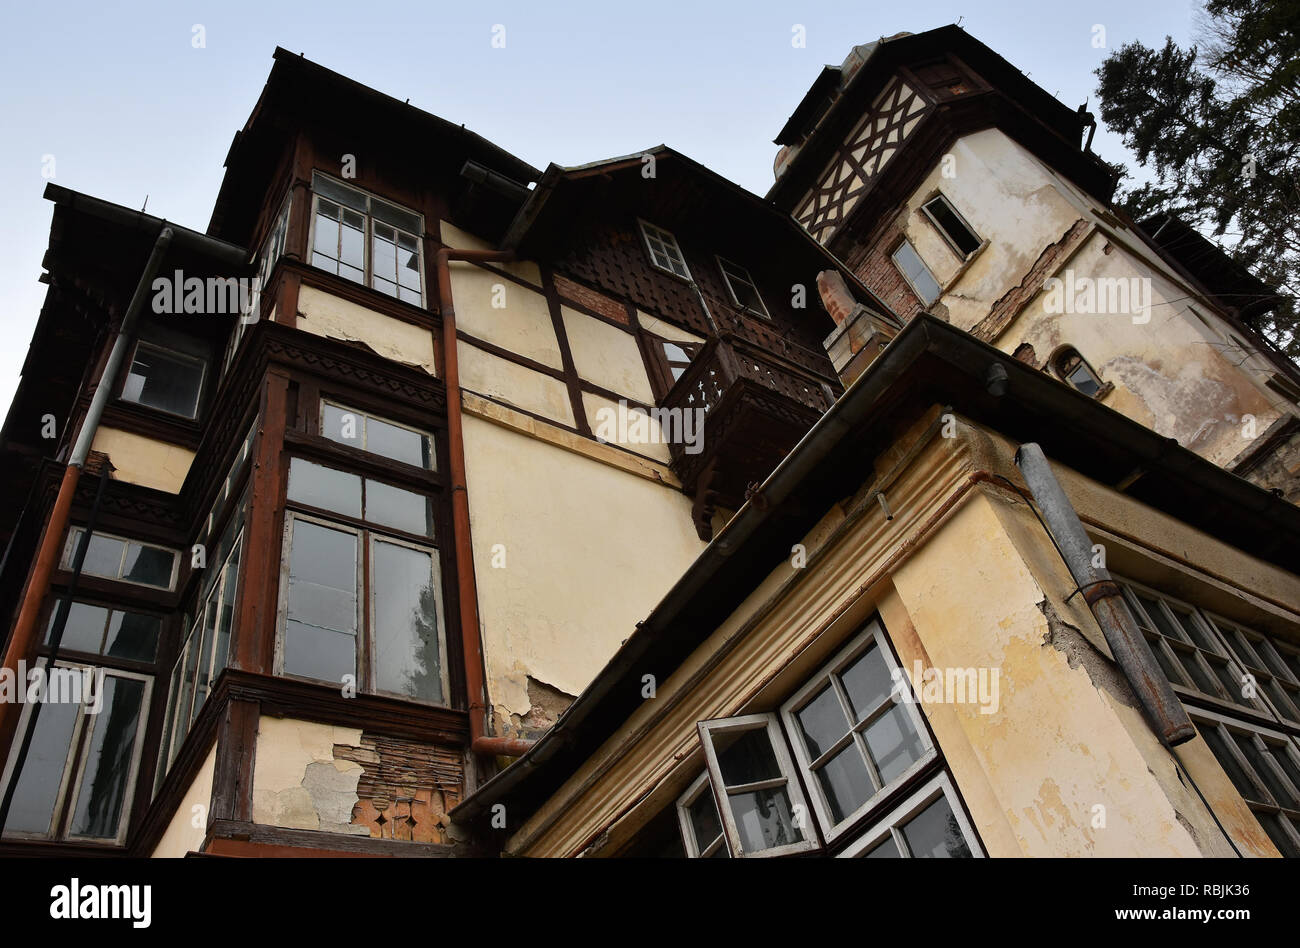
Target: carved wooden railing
[[725, 360]]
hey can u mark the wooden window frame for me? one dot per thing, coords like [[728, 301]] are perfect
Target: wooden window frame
[[367, 251], [700, 786], [723, 264], [943, 231], [366, 533], [893, 259], [363, 413], [670, 244], [769, 723], [1058, 360], [890, 825], [1267, 803], [70, 552], [873, 634], [178, 356], [74, 765]]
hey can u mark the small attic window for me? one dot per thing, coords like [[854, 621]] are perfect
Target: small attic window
[[952, 225], [663, 249], [1070, 367], [744, 293]]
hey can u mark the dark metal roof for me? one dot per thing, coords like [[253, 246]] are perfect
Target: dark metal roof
[[928, 363]]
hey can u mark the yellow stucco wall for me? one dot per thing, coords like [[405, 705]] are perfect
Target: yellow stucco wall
[[324, 314], [145, 461], [1175, 369], [490, 375], [182, 835], [607, 356], [963, 576], [588, 549], [297, 782]]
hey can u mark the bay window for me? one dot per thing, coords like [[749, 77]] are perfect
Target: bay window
[[367, 240], [361, 597], [81, 769]]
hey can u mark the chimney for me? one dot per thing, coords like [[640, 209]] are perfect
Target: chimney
[[860, 333]]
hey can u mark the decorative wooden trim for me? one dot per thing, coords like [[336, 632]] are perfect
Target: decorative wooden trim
[[259, 579], [247, 839], [232, 780]]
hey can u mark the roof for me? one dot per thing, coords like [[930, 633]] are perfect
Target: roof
[[928, 363], [300, 92], [1037, 118], [559, 195], [93, 262]]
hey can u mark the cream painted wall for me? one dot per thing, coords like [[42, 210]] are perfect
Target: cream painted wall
[[1175, 372], [141, 460], [588, 551], [604, 416], [494, 377], [181, 835], [298, 783], [324, 314], [453, 236], [521, 323], [607, 356]]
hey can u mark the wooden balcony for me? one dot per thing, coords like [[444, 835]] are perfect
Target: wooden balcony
[[755, 407]]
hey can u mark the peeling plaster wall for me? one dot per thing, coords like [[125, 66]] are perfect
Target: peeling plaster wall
[[588, 549], [324, 314], [1179, 373], [297, 780], [141, 460], [182, 836]]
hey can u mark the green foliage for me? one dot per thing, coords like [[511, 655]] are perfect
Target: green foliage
[[1218, 127]]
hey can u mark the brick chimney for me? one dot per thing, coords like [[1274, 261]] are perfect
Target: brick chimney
[[860, 333]]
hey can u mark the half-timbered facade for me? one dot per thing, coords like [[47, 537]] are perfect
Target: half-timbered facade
[[437, 504]]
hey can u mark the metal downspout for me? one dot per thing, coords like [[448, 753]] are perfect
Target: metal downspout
[[1127, 644], [466, 585]]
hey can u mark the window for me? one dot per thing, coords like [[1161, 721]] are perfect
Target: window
[[84, 760], [272, 249], [1264, 766], [701, 826], [115, 557], [743, 291], [368, 432], [853, 739], [928, 824], [364, 239], [952, 225], [1230, 677], [862, 753], [163, 379], [678, 356], [100, 630], [357, 601], [764, 808], [1072, 368], [916, 273], [664, 252], [205, 653]]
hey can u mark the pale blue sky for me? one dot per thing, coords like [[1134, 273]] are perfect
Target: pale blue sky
[[128, 107]]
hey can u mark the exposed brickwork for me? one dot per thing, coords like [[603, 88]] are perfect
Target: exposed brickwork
[[1014, 300], [406, 788], [596, 302], [877, 271]]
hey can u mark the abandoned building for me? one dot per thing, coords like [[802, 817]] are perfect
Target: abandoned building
[[429, 503]]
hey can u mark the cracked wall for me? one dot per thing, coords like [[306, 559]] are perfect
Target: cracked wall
[[340, 780]]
